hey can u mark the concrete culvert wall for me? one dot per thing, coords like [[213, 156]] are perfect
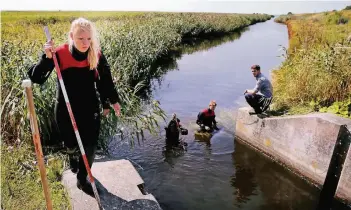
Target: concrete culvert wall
[[304, 143]]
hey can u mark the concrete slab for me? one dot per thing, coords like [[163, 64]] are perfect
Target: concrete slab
[[118, 182], [344, 186], [303, 143]]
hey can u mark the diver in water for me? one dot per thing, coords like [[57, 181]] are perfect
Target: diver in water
[[206, 118], [173, 131]]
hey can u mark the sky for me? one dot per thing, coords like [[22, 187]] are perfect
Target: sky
[[229, 6]]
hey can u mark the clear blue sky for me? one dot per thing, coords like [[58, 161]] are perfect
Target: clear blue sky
[[230, 6]]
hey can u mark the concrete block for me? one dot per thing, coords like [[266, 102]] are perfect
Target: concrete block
[[118, 181], [344, 187], [303, 143]]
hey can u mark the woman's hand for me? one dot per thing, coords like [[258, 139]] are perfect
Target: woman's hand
[[117, 109], [49, 48], [106, 112]]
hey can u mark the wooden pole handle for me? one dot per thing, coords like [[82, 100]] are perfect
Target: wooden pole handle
[[36, 140]]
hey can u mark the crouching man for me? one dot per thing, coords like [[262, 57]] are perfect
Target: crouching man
[[261, 96]]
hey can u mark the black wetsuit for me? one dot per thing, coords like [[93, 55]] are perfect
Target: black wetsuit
[[80, 84], [172, 132], [207, 118]]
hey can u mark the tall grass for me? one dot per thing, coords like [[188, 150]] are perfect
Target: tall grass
[[316, 76], [21, 183], [282, 18], [132, 43]]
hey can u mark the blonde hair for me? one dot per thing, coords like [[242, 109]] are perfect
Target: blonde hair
[[213, 102], [86, 25]]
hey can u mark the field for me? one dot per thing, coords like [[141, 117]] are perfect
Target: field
[[132, 43], [316, 76]]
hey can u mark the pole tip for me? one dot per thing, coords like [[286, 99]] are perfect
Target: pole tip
[[26, 83]]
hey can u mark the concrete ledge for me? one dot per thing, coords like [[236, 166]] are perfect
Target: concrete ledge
[[344, 188], [303, 143], [118, 180]]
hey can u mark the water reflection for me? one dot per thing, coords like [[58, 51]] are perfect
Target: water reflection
[[170, 154], [202, 44], [168, 62], [243, 180], [257, 176]]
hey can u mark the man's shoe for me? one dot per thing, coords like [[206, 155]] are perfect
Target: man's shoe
[[257, 111], [254, 113]]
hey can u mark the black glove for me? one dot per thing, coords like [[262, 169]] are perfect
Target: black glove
[[215, 127]]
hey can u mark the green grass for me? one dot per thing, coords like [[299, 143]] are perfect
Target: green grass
[[35, 16], [21, 186], [316, 76], [282, 18]]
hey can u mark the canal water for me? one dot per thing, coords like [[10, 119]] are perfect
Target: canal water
[[221, 173]]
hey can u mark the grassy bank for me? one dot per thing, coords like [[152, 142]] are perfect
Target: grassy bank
[[316, 76], [132, 43], [21, 183]]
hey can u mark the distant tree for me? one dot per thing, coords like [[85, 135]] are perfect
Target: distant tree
[[348, 8], [290, 13]]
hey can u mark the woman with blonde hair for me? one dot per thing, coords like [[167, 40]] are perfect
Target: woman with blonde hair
[[85, 71]]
